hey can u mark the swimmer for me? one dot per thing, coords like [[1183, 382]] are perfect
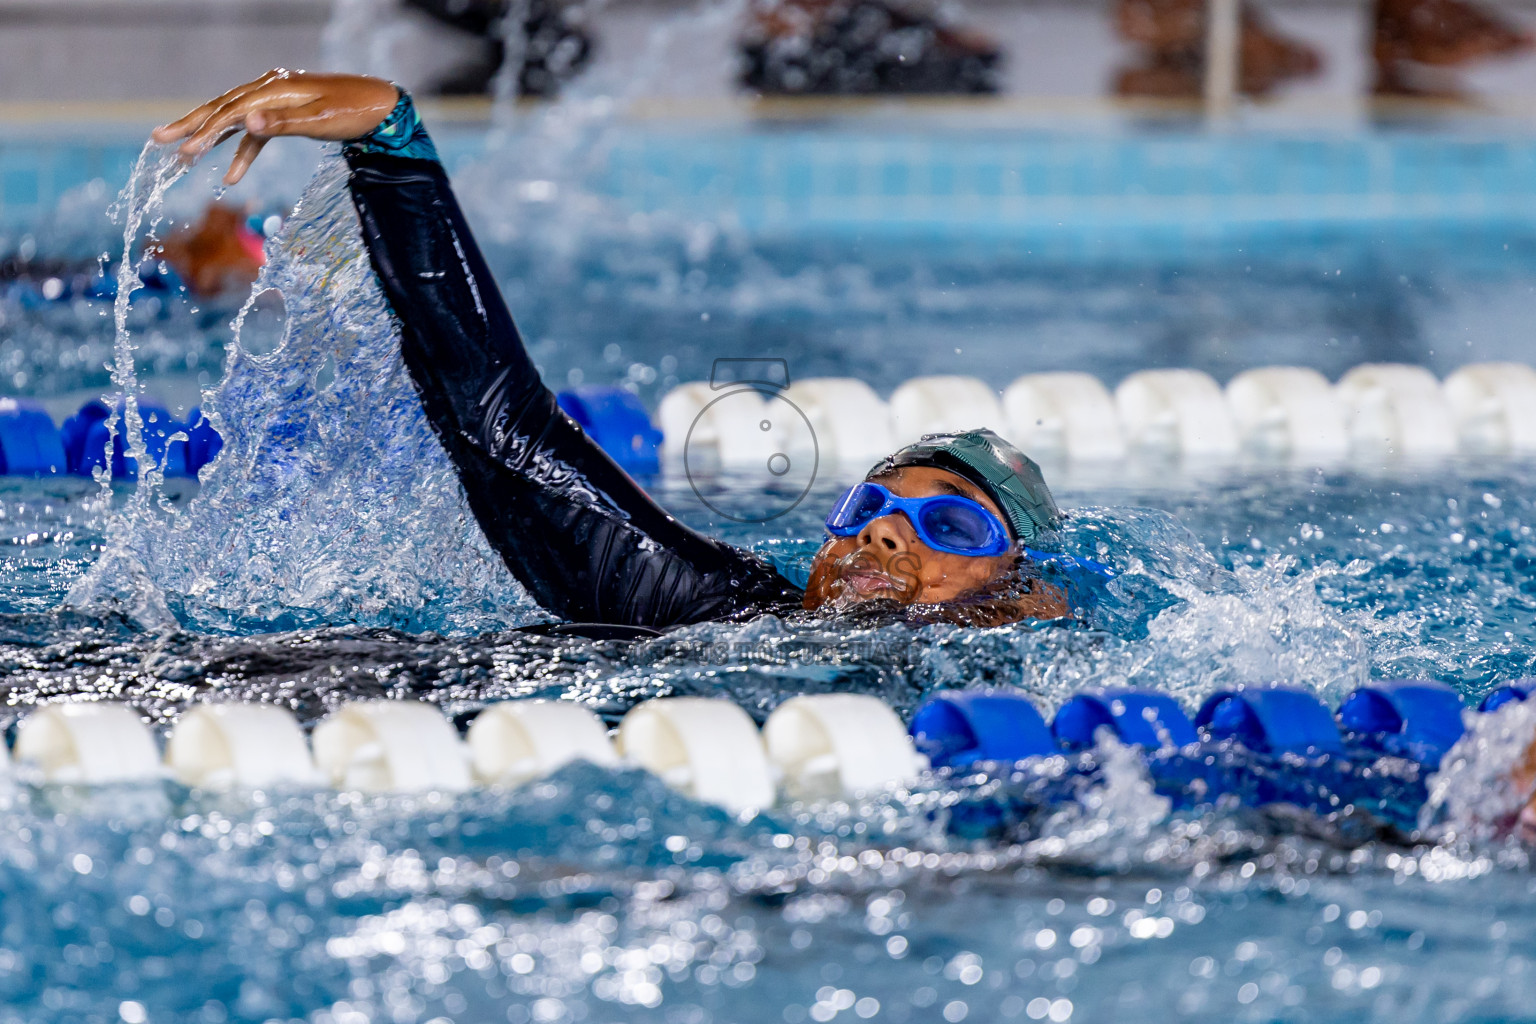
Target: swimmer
[[936, 531], [217, 254]]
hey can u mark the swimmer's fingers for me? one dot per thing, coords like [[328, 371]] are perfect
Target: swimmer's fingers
[[187, 123], [231, 117], [276, 90], [250, 148], [197, 117], [333, 107]]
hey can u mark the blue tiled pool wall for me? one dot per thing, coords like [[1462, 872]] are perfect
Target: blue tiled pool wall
[[850, 179], [35, 174], [806, 180]]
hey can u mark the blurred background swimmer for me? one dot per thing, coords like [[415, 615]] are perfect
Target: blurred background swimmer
[[935, 532], [221, 252]]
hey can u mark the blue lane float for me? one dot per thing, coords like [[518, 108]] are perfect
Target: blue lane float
[[30, 445], [75, 432], [1517, 691], [90, 432], [1272, 720], [961, 728], [1240, 746], [99, 284], [618, 422], [1136, 717], [84, 437], [203, 442], [1415, 718]]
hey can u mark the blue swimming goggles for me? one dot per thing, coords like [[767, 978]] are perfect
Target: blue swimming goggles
[[944, 522]]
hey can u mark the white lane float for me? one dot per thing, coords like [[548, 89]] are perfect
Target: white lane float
[[1176, 412], [708, 748], [223, 746], [1494, 405], [89, 744], [839, 745], [1288, 412], [679, 410], [391, 746], [1398, 410], [704, 423], [851, 424], [941, 404], [516, 741], [1068, 415]]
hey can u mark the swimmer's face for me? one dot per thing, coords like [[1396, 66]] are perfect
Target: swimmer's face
[[887, 561]]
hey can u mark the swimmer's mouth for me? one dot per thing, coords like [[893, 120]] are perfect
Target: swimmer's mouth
[[862, 583]]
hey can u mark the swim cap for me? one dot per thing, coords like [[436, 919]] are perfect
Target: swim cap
[[1007, 476]]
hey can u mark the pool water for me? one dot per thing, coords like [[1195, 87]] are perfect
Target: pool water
[[329, 556]]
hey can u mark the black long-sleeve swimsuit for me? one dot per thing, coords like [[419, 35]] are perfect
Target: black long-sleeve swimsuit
[[584, 539]]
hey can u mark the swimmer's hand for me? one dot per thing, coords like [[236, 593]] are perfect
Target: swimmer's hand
[[332, 108]]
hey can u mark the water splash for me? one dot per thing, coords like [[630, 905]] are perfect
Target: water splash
[[1474, 797], [283, 538], [1273, 627], [332, 500], [507, 84], [1174, 620], [365, 37], [1123, 806], [119, 578], [539, 181]]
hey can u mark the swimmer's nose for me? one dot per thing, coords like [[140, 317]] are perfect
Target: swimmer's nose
[[886, 536]]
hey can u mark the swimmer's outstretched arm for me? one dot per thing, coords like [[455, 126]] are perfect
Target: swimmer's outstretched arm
[[586, 541]]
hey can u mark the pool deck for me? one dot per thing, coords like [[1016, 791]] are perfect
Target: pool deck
[[179, 50]]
